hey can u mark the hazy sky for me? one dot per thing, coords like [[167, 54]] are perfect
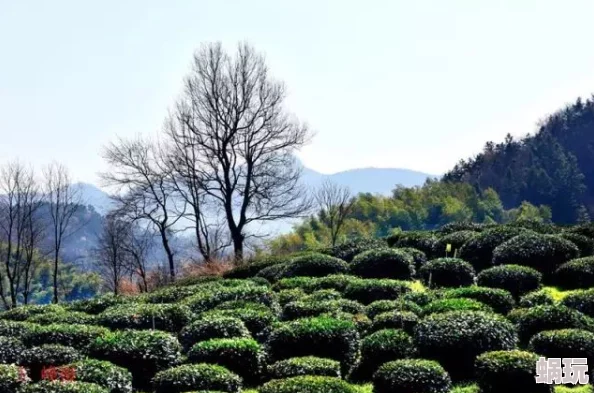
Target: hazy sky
[[413, 84]]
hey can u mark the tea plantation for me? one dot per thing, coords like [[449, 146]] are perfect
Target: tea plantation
[[467, 308]]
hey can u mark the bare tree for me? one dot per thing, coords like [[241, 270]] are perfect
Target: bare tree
[[138, 244], [110, 254], [244, 139], [63, 200], [139, 171], [335, 203]]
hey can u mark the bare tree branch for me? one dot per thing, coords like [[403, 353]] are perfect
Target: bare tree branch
[[335, 203]]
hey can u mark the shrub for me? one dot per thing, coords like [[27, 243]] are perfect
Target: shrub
[[458, 226], [290, 295], [419, 298], [239, 304], [544, 253], [348, 249], [12, 378], [517, 280], [142, 352], [23, 313], [371, 290], [64, 387], [479, 250], [541, 297], [535, 226], [252, 268], [418, 256], [411, 376], [322, 295], [324, 337], [540, 318], [172, 294], [499, 300], [383, 263], [455, 239], [195, 279], [314, 265], [242, 356], [15, 329], [98, 304], [307, 365], [75, 336], [586, 229], [304, 309], [256, 321], [465, 334], [361, 321], [70, 317], [272, 273], [455, 304], [11, 349], [381, 347], [209, 327], [503, 371], [166, 317], [424, 241], [575, 274], [581, 300], [308, 384], [382, 306], [338, 282], [205, 301], [203, 377], [47, 355], [583, 243], [115, 379], [447, 272], [564, 343], [405, 320], [306, 284]]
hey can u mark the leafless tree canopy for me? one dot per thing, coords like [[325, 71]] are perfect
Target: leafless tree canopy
[[232, 118], [110, 253], [335, 203]]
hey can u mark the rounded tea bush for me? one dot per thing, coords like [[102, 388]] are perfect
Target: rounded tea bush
[[371, 290], [586, 229], [411, 376], [583, 243], [196, 377], [383, 263], [466, 334], [322, 295], [47, 355], [382, 306], [338, 282], [243, 356], [419, 298], [499, 300], [23, 313], [564, 343], [15, 329], [478, 251], [12, 378], [455, 304], [458, 226], [544, 253], [447, 272], [257, 321], [404, 320], [252, 268], [166, 317], [517, 280], [305, 309], [423, 241], [209, 300], [314, 265], [272, 273], [542, 297], [540, 318], [361, 321], [575, 274], [70, 317], [307, 365], [322, 336], [581, 300], [381, 347], [75, 336], [455, 239], [11, 349], [97, 304], [418, 256], [508, 371], [209, 327], [64, 387], [290, 295], [115, 379], [348, 249], [308, 384]]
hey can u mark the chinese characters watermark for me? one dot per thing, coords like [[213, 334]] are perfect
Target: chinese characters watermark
[[562, 371]]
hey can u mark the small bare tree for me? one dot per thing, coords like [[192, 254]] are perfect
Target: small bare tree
[[139, 171], [335, 203], [138, 245], [244, 139], [63, 200], [110, 254]]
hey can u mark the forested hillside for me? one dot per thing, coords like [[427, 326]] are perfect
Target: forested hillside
[[553, 167]]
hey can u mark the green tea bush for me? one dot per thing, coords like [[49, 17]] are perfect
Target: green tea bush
[[47, 355], [371, 290], [193, 280], [348, 249], [583, 243], [252, 268], [499, 300], [11, 349], [541, 297], [581, 300], [544, 253], [456, 338], [322, 295], [540, 318], [575, 274], [381, 347], [23, 313], [306, 284], [418, 256], [273, 307], [411, 376], [534, 225], [12, 378], [272, 273], [75, 336], [308, 384], [361, 321], [314, 265], [421, 240], [166, 317], [98, 304], [457, 226], [383, 263], [517, 280], [205, 301], [209, 327], [257, 321], [74, 317], [116, 379], [304, 309], [338, 282], [586, 229], [508, 371], [479, 250], [15, 329], [323, 337], [197, 377], [419, 298], [307, 365], [455, 304], [290, 295], [404, 320], [173, 294], [382, 306], [142, 352], [64, 387], [243, 356], [447, 272], [455, 239]]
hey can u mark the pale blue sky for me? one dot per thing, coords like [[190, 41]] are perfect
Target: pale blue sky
[[415, 84]]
